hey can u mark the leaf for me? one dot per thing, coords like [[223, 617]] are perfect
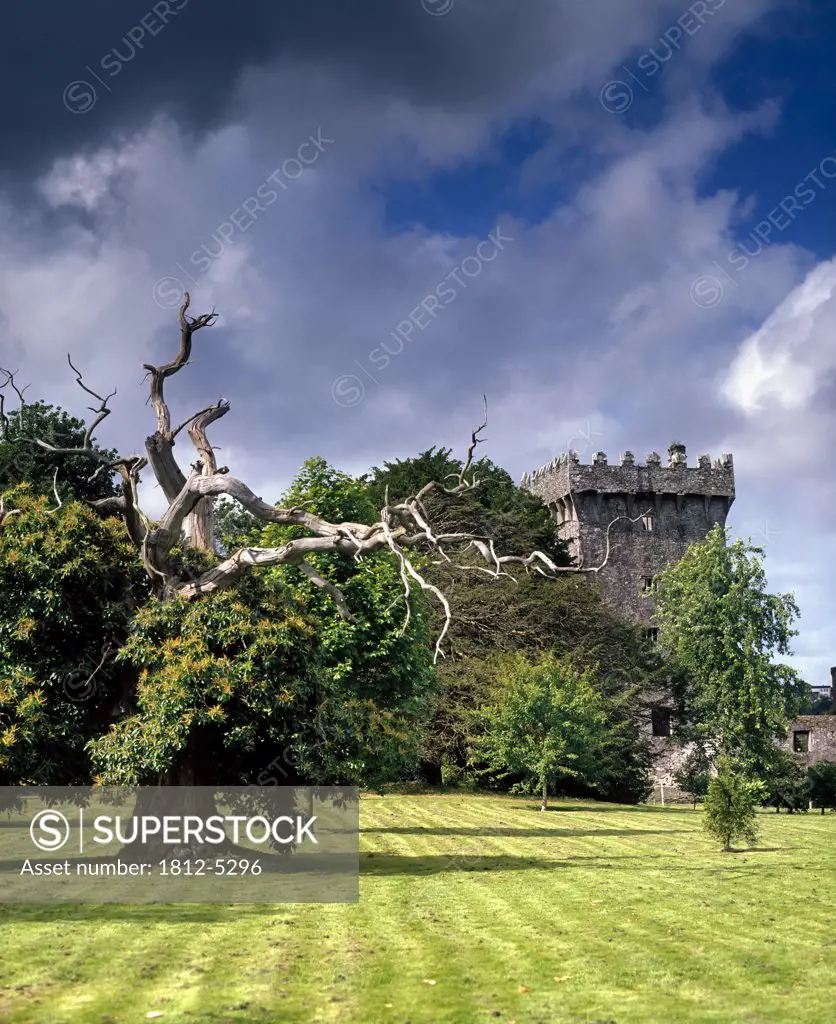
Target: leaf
[[522, 988], [428, 981]]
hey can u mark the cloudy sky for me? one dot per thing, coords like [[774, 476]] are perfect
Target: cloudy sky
[[613, 217]]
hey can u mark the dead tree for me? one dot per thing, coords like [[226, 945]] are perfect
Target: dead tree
[[401, 529]]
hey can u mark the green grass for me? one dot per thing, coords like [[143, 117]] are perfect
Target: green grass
[[590, 913]]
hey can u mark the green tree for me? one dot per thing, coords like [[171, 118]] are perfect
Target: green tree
[[694, 776], [545, 723], [567, 617], [786, 783], [23, 460], [265, 675], [723, 629], [822, 782], [69, 581], [378, 668], [525, 613], [730, 806], [498, 510]]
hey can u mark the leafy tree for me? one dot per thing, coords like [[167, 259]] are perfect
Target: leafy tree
[[730, 806], [545, 723], [722, 629], [822, 782], [378, 668], [22, 460], [265, 674], [69, 581], [786, 783], [694, 776], [514, 519], [567, 617], [222, 686]]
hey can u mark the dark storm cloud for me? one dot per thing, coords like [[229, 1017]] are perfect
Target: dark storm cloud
[[72, 73]]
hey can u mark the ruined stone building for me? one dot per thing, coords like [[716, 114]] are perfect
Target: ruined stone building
[[673, 506]]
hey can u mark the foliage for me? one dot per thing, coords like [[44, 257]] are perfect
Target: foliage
[[381, 663], [69, 581], [786, 783], [264, 682], [694, 775], [730, 806], [21, 460], [545, 723], [223, 682], [516, 520], [565, 616], [821, 779], [722, 629]]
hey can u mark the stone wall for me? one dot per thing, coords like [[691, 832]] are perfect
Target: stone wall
[[821, 738]]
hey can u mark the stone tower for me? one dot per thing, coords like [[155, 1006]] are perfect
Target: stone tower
[[677, 504]]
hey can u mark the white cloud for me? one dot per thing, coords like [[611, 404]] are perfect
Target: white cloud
[[789, 357]]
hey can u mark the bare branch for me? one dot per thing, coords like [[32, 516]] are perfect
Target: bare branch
[[20, 392], [159, 445], [55, 492], [102, 412]]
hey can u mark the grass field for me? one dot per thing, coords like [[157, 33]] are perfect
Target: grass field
[[473, 909]]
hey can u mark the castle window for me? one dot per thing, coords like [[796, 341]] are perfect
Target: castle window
[[647, 582], [801, 742], [647, 523], [652, 634], [660, 721]]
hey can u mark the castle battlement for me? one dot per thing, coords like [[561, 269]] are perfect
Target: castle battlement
[[644, 515], [567, 473]]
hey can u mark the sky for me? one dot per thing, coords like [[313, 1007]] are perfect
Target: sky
[[614, 218]]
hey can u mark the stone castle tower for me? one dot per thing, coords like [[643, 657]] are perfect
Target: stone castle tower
[[677, 505]]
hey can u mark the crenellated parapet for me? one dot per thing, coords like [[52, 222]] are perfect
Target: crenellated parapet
[[567, 473]]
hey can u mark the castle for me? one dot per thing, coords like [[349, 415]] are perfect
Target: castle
[[651, 513], [673, 506]]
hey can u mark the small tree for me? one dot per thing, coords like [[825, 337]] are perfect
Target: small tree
[[694, 776], [546, 722], [730, 807], [821, 779]]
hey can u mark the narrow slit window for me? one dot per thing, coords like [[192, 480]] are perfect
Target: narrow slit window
[[647, 523]]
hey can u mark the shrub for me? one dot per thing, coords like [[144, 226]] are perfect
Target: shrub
[[821, 779]]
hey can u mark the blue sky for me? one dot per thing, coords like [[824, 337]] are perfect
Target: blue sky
[[580, 177]]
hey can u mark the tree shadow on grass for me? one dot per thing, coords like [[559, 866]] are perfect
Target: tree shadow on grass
[[521, 833], [438, 864], [283, 916], [616, 808]]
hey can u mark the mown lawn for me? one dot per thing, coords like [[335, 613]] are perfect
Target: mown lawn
[[473, 909]]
